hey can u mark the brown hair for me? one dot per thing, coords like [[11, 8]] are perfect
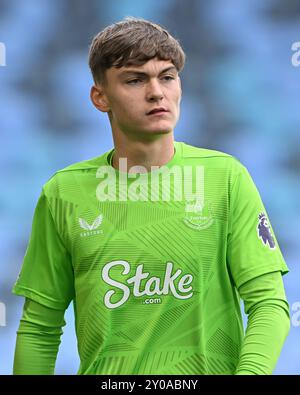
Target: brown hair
[[132, 42]]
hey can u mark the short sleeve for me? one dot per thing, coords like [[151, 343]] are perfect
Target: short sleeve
[[46, 275], [252, 248]]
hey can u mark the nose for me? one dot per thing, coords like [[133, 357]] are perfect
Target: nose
[[154, 90]]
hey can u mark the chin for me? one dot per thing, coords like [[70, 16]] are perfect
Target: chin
[[160, 129]]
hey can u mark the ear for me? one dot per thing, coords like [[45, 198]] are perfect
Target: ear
[[99, 98], [179, 80], [180, 88]]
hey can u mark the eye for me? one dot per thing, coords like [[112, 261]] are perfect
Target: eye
[[168, 78], [133, 81]]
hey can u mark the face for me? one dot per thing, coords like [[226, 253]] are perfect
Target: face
[[140, 99]]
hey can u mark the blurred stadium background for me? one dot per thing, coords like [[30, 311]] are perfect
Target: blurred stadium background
[[240, 95]]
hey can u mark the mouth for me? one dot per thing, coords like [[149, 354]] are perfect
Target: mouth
[[158, 111]]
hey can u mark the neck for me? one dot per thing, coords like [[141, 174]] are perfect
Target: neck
[[146, 153]]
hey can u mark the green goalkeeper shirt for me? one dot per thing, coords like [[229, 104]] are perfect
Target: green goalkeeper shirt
[[154, 269]]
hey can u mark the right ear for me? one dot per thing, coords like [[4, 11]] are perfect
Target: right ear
[[99, 98]]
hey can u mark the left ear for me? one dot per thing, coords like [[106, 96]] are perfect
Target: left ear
[[179, 80], [99, 98], [180, 88]]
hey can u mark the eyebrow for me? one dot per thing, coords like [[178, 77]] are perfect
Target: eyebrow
[[143, 74]]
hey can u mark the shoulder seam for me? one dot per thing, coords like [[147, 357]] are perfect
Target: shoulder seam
[[199, 152], [84, 164], [74, 169]]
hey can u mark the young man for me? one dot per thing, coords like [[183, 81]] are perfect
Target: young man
[[154, 241]]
